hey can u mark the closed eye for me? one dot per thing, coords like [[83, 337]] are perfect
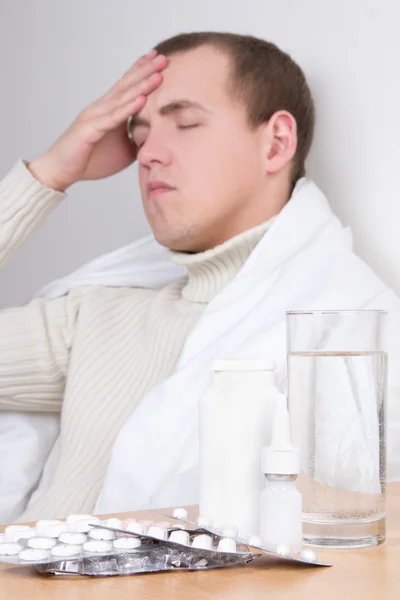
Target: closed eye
[[188, 126]]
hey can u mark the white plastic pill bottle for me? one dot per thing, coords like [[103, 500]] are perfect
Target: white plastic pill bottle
[[235, 422]]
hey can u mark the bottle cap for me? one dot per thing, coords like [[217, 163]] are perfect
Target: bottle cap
[[244, 365], [281, 457]]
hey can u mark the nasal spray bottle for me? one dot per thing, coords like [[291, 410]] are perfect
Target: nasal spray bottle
[[281, 504]]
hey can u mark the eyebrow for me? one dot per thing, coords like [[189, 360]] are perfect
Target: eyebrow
[[172, 107]]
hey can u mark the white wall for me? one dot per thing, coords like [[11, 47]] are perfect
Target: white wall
[[56, 57]]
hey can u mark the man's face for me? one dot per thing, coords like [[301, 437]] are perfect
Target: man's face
[[196, 139]]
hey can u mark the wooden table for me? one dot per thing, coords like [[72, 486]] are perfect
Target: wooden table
[[368, 574]]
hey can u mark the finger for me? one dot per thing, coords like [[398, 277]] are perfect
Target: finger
[[119, 115], [143, 59], [144, 87], [137, 74]]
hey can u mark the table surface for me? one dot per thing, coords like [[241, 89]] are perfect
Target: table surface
[[357, 574]]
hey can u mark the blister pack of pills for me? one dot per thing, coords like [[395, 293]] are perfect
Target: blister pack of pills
[[305, 556], [85, 545]]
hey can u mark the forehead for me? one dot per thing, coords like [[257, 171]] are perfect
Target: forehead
[[199, 75]]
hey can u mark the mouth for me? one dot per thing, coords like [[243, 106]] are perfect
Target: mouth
[[158, 188]]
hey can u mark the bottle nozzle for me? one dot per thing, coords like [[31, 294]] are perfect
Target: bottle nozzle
[[281, 457]]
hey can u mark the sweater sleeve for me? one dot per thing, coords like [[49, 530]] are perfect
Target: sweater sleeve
[[35, 339]]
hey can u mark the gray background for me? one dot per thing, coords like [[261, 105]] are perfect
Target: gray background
[[56, 57]]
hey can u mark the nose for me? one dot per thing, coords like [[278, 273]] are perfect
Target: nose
[[153, 151]]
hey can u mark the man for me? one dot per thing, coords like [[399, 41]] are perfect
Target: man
[[220, 125]]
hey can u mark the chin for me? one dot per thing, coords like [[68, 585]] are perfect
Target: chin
[[178, 242]]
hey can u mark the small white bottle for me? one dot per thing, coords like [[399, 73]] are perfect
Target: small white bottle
[[235, 421], [281, 503]]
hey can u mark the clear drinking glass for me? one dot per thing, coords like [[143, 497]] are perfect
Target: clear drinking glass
[[337, 380]]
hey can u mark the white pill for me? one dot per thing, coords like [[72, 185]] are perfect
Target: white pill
[[42, 543], [255, 541], [283, 550], [137, 527], [180, 537], [85, 525], [65, 550], [11, 529], [55, 530], [180, 513], [217, 524], [114, 522], [68, 537], [41, 525], [157, 532], [203, 522], [72, 519], [34, 554], [9, 549], [97, 546], [24, 535], [230, 531], [101, 534], [202, 541], [227, 545], [127, 543], [308, 555]]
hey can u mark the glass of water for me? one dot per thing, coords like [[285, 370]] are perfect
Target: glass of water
[[337, 380]]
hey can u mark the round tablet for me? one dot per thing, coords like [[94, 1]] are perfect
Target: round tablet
[[69, 537], [226, 545], [180, 513], [11, 529], [137, 527], [203, 521], [101, 534], [41, 525], [24, 535], [55, 530], [97, 546], [230, 531], [180, 537], [157, 532], [71, 519], [66, 550], [43, 543], [34, 554], [114, 522], [202, 541], [127, 543], [9, 548], [85, 525]]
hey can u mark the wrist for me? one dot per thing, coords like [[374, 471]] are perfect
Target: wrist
[[45, 174]]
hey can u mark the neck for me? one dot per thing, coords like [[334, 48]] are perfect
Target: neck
[[213, 269]]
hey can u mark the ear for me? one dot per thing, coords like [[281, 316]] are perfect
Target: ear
[[280, 141]]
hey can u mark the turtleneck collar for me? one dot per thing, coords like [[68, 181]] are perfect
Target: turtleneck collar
[[210, 271]]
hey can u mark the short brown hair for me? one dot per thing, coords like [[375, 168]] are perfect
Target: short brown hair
[[264, 77]]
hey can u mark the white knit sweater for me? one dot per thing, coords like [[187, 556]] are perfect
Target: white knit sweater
[[94, 353]]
